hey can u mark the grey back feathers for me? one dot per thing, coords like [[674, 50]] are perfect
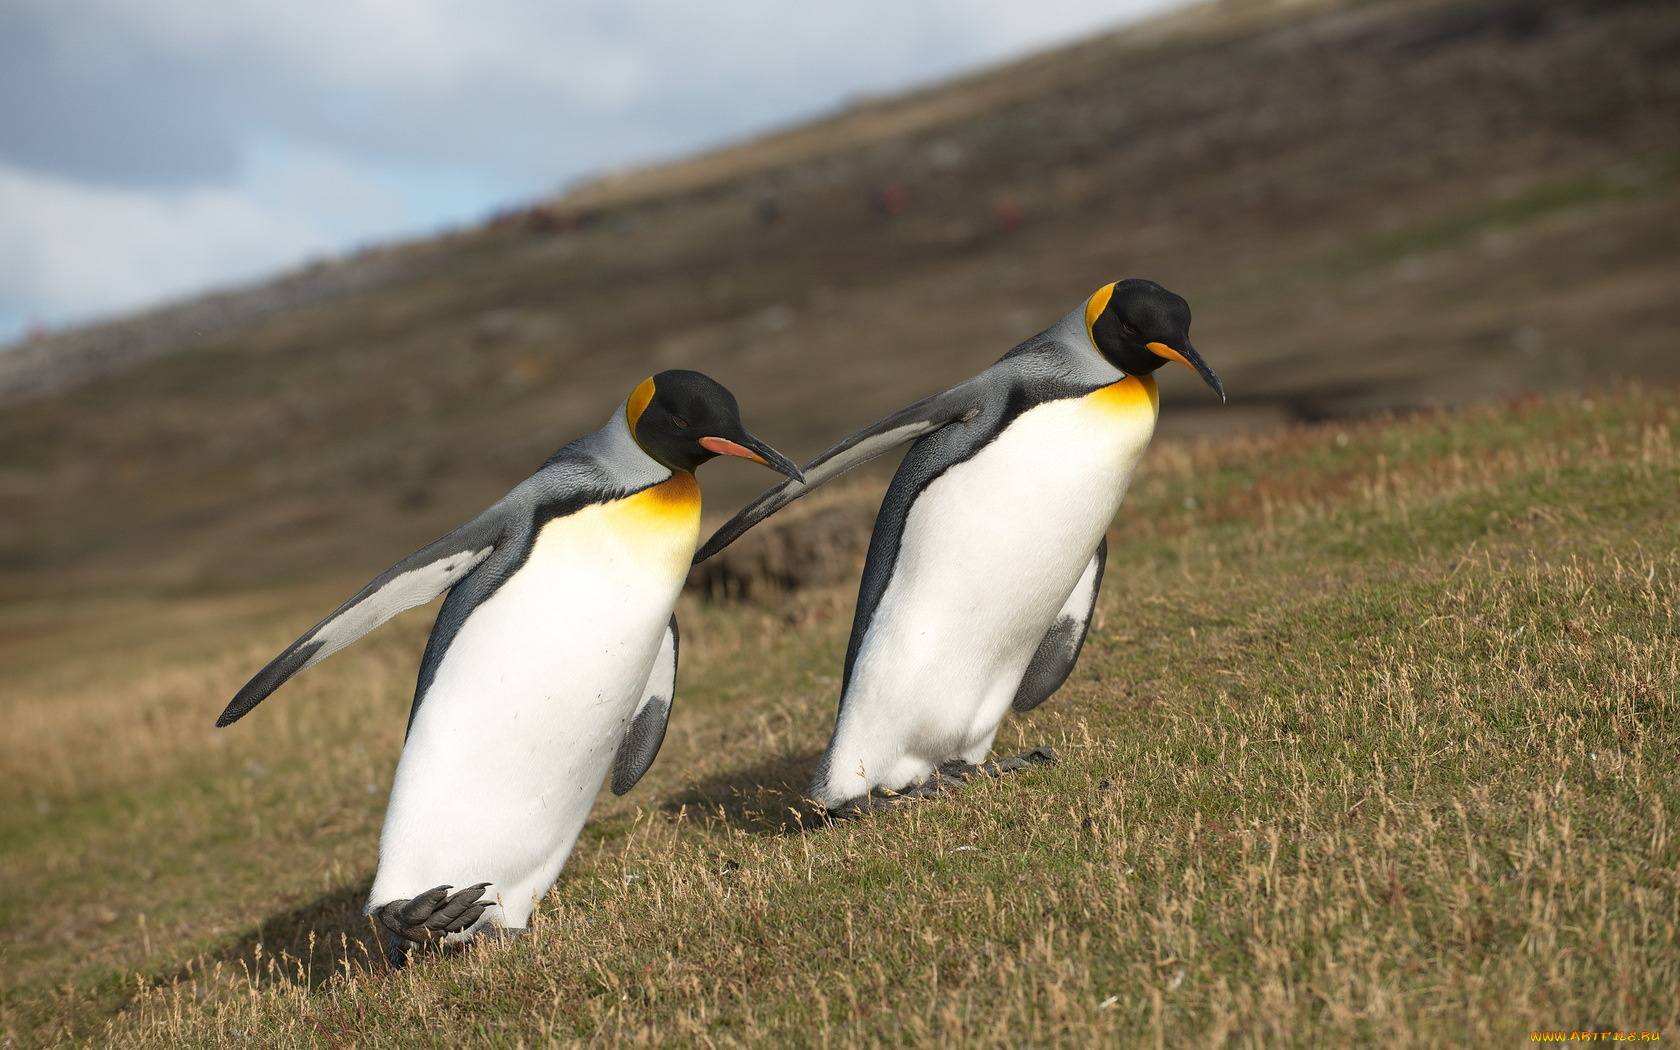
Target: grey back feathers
[[471, 562]]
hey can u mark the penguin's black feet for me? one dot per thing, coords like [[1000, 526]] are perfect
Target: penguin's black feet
[[881, 799], [962, 772], [428, 918], [949, 776], [1038, 756], [874, 802]]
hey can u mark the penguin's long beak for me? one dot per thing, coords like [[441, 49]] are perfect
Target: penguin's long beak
[[749, 447], [1191, 360]]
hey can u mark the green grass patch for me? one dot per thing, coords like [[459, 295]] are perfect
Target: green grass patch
[[1623, 181]]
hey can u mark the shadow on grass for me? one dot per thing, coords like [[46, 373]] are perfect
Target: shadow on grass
[[305, 945], [767, 798], [310, 943]]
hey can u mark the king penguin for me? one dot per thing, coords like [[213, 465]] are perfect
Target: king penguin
[[989, 548], [553, 658]]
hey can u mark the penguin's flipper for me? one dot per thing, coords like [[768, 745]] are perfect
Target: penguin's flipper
[[907, 424], [1059, 649], [415, 580], [647, 727]]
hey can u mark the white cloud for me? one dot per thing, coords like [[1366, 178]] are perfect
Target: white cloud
[[386, 44], [72, 250], [149, 149]]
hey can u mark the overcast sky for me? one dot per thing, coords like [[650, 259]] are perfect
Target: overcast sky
[[153, 148]]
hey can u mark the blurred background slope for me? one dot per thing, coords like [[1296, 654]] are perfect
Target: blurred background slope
[[1370, 205]]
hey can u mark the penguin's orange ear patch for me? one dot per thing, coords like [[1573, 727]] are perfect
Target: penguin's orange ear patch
[[1094, 307], [639, 399]]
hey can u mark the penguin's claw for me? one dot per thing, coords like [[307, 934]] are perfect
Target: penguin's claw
[[956, 771], [863, 805], [1045, 755], [398, 947], [950, 775], [429, 917], [936, 783], [452, 914]]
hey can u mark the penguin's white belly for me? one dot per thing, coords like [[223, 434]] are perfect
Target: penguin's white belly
[[511, 742], [991, 550]]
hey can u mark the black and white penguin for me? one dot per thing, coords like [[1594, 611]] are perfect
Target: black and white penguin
[[988, 552], [553, 658]]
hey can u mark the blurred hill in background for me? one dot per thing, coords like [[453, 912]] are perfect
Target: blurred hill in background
[[1370, 205]]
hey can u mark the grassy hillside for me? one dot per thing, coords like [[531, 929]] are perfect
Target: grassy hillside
[[1370, 204], [1372, 744], [1373, 740]]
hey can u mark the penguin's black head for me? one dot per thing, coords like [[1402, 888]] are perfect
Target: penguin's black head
[[1140, 326], [683, 418]]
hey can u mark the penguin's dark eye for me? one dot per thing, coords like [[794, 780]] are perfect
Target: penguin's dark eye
[[1128, 328], [681, 423]]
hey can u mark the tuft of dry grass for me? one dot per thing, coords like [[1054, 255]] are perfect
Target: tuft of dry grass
[[1372, 744]]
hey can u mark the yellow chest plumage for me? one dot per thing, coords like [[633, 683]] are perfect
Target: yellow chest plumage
[[670, 507], [655, 529], [1132, 395]]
